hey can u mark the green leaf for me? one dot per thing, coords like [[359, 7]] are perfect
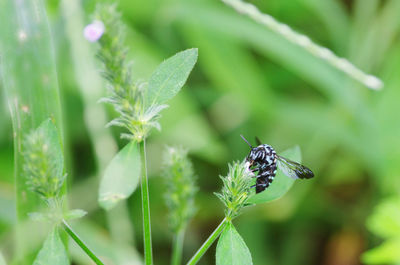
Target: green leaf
[[169, 77], [29, 80], [121, 176], [385, 221], [74, 214], [281, 183], [231, 249], [386, 253], [53, 251]]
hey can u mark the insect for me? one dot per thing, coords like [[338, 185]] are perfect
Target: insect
[[264, 160]]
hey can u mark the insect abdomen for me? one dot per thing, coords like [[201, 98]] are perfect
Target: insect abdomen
[[265, 177]]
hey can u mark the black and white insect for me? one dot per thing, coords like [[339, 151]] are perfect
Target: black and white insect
[[264, 161]]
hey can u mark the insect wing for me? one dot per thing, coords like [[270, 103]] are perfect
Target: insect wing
[[293, 169], [286, 169]]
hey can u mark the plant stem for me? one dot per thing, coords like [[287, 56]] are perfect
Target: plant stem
[[197, 256], [83, 246], [105, 147], [148, 255], [177, 247]]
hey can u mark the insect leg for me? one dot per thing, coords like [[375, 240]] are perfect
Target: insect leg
[[256, 168], [261, 184]]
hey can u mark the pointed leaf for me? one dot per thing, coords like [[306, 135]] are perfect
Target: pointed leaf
[[74, 214], [231, 249], [53, 251], [121, 176], [386, 253], [385, 220], [281, 183], [169, 77]]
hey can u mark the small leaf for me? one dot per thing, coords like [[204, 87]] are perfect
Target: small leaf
[[53, 251], [386, 253], [169, 77], [121, 176], [231, 249], [74, 214], [281, 183], [385, 220]]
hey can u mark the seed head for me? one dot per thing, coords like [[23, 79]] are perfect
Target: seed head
[[236, 188]]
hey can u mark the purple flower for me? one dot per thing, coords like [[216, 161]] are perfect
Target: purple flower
[[94, 31]]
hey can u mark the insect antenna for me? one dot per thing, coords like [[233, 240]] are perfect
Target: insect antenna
[[244, 139], [258, 141]]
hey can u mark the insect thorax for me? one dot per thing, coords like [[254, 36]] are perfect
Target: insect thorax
[[264, 155], [263, 160]]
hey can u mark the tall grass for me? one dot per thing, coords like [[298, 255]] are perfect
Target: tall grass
[[28, 72]]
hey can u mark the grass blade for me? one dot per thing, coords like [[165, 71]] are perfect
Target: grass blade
[[305, 42], [30, 83]]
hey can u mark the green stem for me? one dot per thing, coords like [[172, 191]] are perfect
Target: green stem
[[148, 255], [197, 256], [83, 246], [177, 247]]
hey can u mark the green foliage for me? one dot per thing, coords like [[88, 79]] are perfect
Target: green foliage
[[124, 94], [236, 191], [306, 43], [385, 222], [29, 81], [44, 164], [43, 160], [231, 249], [251, 80], [210, 240], [53, 251], [181, 187], [55, 213], [138, 105], [121, 176], [74, 214], [169, 77], [281, 183]]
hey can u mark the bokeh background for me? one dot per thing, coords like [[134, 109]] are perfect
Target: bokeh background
[[250, 81]]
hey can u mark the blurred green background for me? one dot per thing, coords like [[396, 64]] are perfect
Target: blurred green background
[[250, 81]]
